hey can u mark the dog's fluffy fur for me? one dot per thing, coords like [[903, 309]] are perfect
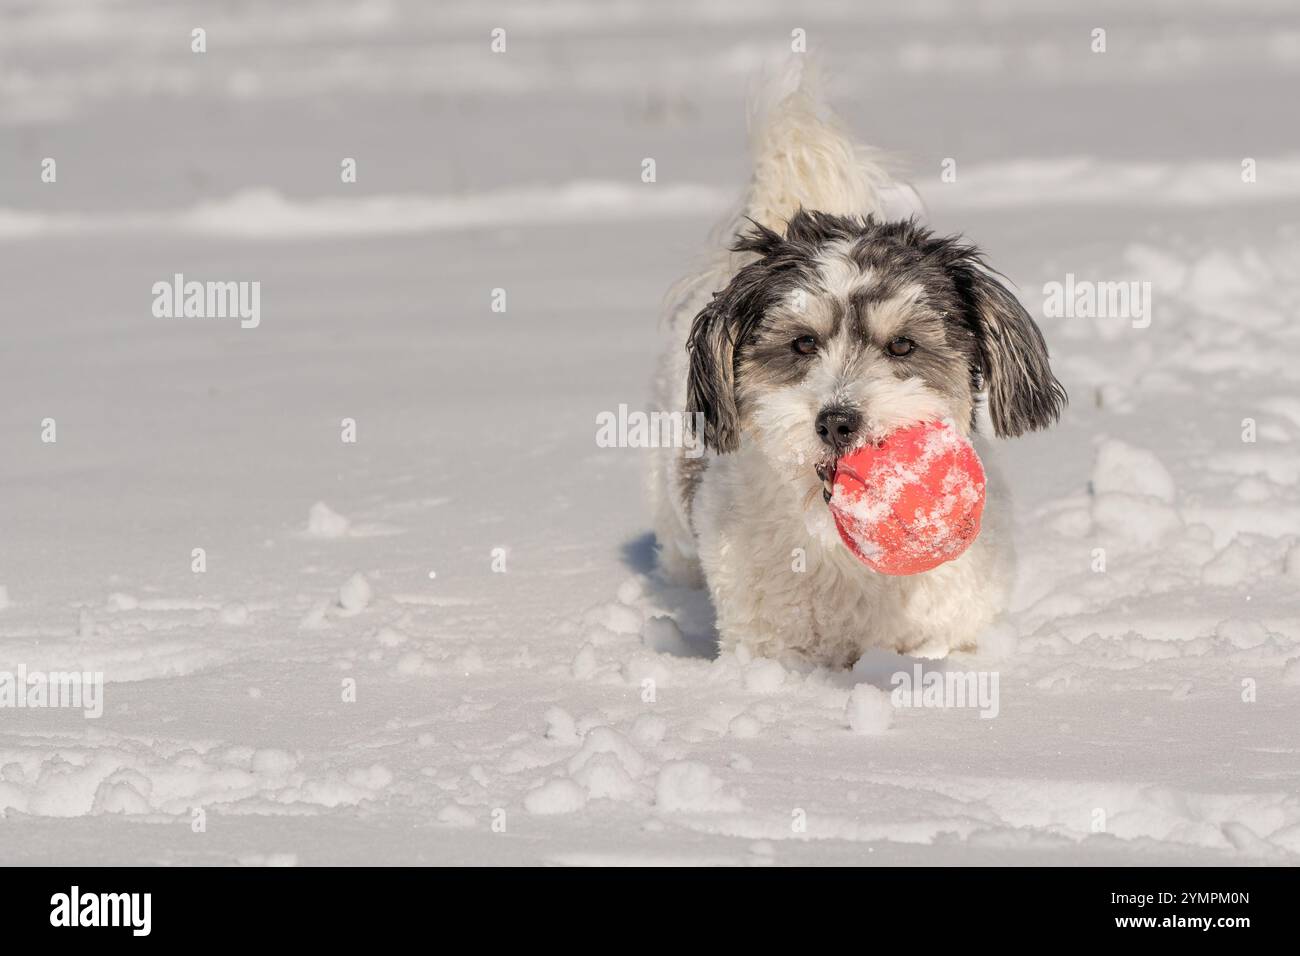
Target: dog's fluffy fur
[[818, 254]]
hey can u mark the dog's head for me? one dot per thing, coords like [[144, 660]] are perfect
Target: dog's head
[[844, 329]]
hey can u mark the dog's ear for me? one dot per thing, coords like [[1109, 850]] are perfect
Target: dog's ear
[[1023, 394], [726, 322], [711, 378]]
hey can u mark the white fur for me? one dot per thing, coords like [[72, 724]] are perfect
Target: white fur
[[758, 513]]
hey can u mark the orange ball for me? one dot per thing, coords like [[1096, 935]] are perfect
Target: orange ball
[[910, 502]]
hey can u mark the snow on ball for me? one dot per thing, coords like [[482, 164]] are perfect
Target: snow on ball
[[911, 501], [869, 710]]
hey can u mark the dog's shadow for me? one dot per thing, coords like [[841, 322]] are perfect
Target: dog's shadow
[[690, 608], [880, 668], [641, 554]]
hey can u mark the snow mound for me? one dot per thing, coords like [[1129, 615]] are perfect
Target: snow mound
[[322, 522], [688, 786], [869, 710]]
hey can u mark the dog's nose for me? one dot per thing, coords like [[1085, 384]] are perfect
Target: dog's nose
[[837, 425]]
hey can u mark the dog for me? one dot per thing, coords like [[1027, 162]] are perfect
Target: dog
[[830, 320]]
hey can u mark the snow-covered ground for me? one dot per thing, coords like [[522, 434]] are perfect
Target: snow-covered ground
[[432, 645]]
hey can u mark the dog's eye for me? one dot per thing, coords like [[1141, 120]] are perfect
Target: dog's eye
[[900, 347], [805, 344]]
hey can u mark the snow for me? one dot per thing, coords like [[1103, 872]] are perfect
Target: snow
[[266, 214], [869, 710], [662, 635], [354, 594], [688, 786], [764, 676], [1125, 470], [446, 642], [555, 797], [322, 522]]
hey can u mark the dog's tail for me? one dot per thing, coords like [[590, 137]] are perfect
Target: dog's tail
[[803, 156]]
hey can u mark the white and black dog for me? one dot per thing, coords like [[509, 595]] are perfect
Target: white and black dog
[[825, 323]]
